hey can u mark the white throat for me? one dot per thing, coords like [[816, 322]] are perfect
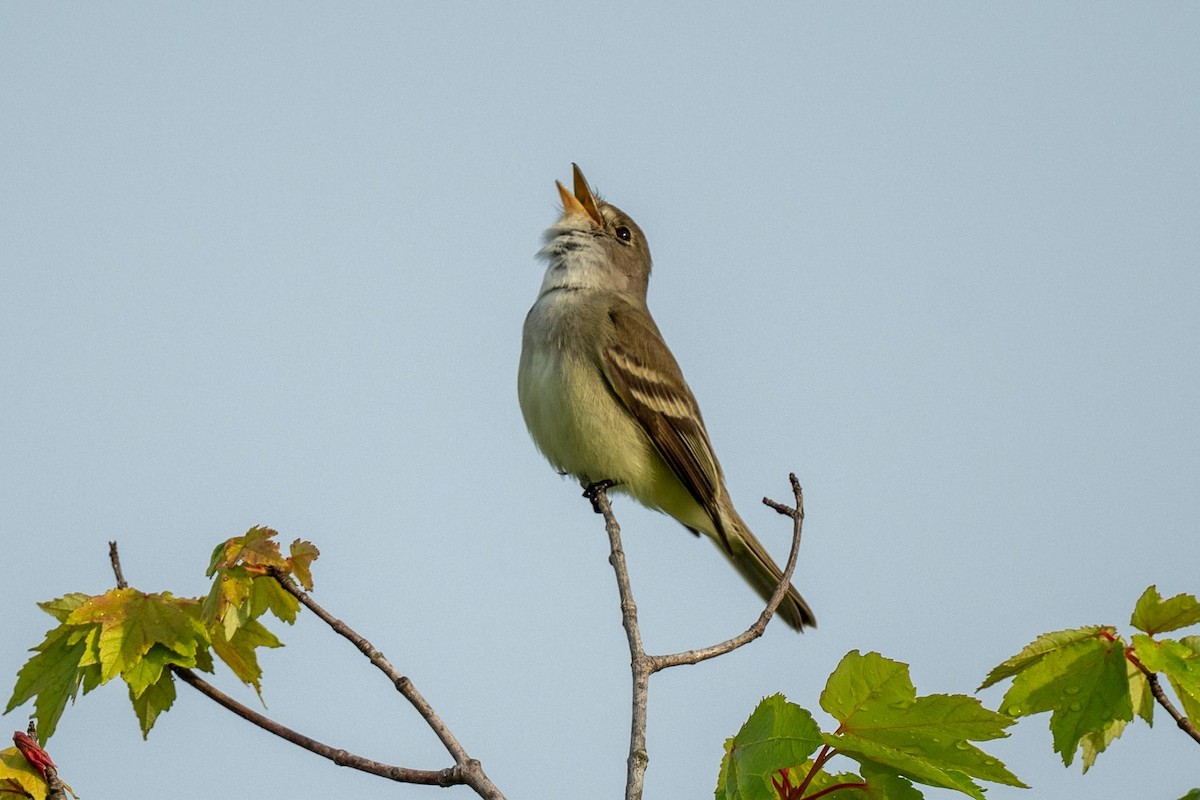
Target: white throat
[[576, 261]]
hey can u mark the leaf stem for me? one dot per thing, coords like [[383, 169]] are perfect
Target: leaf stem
[[837, 787], [827, 752]]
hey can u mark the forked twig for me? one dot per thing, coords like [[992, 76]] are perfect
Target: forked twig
[[469, 769], [643, 665]]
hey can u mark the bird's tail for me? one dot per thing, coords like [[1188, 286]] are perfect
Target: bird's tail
[[754, 564]]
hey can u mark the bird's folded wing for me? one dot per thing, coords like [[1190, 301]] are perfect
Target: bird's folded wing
[[651, 386]]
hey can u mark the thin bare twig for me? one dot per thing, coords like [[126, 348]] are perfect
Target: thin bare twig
[[760, 625], [642, 666], [343, 758], [469, 768], [114, 558], [635, 773]]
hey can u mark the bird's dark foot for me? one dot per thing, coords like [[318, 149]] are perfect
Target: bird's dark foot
[[593, 490]]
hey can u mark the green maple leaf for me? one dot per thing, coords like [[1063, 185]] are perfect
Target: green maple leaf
[[267, 595], [1038, 649], [62, 607], [777, 735], [238, 597], [238, 653], [1140, 696], [884, 784], [1153, 615], [132, 623], [148, 670], [152, 701], [64, 662], [121, 632], [1096, 742], [1179, 661], [141, 637], [1084, 685], [885, 724]]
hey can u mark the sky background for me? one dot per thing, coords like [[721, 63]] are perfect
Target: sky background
[[269, 265]]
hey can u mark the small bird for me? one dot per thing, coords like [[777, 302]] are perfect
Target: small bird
[[604, 399]]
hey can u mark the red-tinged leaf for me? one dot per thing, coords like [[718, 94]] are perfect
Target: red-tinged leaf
[[302, 555], [257, 549], [33, 753]]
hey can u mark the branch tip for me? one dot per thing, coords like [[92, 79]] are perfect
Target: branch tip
[[114, 558]]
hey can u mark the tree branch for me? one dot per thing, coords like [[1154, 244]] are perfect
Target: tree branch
[[343, 758], [114, 558], [470, 769], [642, 666], [760, 625]]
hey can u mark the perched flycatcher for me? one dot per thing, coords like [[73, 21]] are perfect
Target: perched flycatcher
[[604, 399]]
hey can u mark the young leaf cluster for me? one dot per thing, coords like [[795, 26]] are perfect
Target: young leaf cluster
[[140, 637], [897, 739], [1093, 682]]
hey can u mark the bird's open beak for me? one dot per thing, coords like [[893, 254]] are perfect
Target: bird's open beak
[[583, 201]]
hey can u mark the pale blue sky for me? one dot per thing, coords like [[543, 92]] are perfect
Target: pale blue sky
[[269, 266]]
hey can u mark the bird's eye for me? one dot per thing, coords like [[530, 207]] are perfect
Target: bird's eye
[[624, 234]]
